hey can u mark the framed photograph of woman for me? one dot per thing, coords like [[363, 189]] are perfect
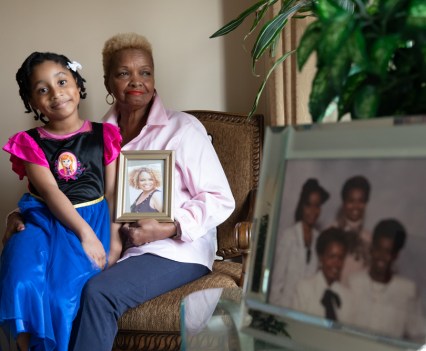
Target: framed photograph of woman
[[339, 235], [145, 186]]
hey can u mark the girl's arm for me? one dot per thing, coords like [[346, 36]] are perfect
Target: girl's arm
[[110, 184], [64, 211]]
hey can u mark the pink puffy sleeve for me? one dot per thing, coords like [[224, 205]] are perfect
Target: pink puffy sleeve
[[22, 147], [112, 142]]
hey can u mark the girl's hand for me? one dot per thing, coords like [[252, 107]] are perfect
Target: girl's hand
[[14, 224], [94, 249]]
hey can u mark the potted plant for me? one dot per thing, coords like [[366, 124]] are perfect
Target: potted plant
[[371, 60], [270, 31], [370, 54]]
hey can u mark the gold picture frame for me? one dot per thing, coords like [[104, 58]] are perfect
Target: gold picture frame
[[145, 170]]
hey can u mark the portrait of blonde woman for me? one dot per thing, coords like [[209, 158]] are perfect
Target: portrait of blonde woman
[[148, 181]]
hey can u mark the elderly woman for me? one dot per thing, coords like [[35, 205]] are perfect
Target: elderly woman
[[165, 255]]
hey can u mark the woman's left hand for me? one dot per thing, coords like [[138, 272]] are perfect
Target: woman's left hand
[[147, 230]]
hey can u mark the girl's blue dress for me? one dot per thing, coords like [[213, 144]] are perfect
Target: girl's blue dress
[[43, 270]]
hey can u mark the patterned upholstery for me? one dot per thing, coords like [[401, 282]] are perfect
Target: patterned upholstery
[[155, 325]]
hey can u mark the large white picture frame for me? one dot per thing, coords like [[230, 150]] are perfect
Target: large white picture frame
[[391, 155]]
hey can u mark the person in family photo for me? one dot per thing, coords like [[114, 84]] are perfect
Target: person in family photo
[[151, 197], [355, 195], [388, 302], [295, 256], [322, 294]]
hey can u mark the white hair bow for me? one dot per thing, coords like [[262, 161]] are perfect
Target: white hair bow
[[74, 66]]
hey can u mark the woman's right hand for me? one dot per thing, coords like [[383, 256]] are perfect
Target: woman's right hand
[[14, 224]]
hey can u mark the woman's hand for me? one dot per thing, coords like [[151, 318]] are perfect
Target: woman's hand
[[93, 248], [14, 224], [147, 230]]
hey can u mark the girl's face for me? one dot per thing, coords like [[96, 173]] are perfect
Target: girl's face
[[54, 91], [145, 181], [312, 209], [332, 261], [354, 205], [131, 78]]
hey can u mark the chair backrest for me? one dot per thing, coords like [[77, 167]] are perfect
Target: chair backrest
[[238, 142]]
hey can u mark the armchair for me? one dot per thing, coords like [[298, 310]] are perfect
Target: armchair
[[155, 325]]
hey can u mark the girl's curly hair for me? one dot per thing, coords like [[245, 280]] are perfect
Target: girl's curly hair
[[23, 77]]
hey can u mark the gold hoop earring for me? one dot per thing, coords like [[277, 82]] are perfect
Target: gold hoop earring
[[109, 96]]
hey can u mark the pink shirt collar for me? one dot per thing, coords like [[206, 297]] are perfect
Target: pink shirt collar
[[157, 114]]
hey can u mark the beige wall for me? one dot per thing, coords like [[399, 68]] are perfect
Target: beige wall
[[192, 71]]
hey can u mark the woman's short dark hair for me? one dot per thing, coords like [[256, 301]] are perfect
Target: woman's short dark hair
[[309, 187], [23, 77], [356, 182], [329, 236], [390, 229]]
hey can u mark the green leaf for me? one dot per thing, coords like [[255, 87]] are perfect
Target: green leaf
[[358, 48], [334, 37], [339, 69], [388, 8], [328, 9], [259, 16], [347, 5], [229, 27], [366, 103], [322, 94], [287, 4], [347, 94], [262, 86], [381, 53], [417, 14], [270, 31], [308, 43]]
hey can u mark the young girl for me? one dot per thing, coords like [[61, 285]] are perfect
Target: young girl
[[68, 229]]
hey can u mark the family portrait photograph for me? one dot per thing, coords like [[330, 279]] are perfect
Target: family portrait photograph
[[350, 244]]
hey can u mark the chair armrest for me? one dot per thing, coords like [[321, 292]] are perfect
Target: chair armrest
[[242, 234], [242, 230]]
